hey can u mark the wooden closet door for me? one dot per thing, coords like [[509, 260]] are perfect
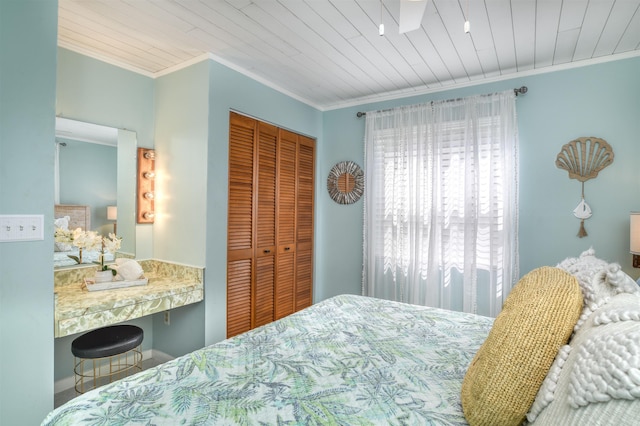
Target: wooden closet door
[[265, 219], [286, 229], [304, 223], [270, 223], [240, 256]]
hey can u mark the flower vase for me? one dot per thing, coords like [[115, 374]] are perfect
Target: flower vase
[[104, 276]]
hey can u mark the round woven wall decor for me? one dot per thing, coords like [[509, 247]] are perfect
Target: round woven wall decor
[[345, 182]]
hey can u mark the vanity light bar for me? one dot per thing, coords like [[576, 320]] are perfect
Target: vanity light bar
[[146, 185]]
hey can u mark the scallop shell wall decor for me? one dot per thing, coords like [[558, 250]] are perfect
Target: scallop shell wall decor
[[584, 158]]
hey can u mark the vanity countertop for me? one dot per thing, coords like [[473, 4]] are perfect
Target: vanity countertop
[[78, 310]]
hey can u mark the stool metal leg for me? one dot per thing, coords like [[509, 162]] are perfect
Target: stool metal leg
[[78, 370], [120, 366], [95, 382]]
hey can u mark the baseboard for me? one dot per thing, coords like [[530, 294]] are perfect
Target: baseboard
[[68, 382], [159, 356]]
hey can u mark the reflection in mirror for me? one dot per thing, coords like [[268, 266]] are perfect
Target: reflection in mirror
[[95, 168]]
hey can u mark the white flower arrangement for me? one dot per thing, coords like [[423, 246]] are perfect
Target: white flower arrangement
[[109, 244], [89, 240]]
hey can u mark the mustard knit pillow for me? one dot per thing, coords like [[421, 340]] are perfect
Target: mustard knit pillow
[[536, 320]]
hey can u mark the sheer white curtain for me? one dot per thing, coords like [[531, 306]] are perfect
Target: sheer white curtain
[[441, 203]]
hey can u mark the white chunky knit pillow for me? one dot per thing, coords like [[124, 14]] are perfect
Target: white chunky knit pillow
[[595, 379], [598, 279]]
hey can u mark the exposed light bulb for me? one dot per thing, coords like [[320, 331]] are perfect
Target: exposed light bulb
[[467, 27], [381, 29]]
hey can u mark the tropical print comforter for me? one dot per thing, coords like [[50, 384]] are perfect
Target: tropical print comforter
[[349, 360]]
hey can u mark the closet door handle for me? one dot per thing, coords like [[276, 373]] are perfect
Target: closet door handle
[[287, 248], [267, 251]]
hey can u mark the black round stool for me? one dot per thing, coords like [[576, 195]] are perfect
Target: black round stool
[[114, 351]]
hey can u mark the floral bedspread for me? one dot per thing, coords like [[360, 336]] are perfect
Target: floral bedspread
[[349, 360]]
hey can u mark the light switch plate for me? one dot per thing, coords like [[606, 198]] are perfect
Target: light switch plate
[[25, 227]]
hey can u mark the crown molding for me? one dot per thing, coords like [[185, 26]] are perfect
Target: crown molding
[[451, 85], [386, 96]]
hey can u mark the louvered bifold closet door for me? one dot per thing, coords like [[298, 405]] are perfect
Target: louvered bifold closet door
[[270, 223], [265, 219], [286, 230], [240, 251], [304, 223]]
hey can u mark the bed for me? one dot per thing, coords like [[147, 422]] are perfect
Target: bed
[[347, 360], [564, 350]]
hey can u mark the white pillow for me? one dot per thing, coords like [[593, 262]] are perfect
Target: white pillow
[[608, 293], [62, 247], [62, 222], [598, 382], [598, 281]]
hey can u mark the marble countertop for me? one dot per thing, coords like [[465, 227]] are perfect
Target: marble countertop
[[78, 310]]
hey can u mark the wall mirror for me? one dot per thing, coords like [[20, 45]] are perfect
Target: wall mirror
[[96, 168]]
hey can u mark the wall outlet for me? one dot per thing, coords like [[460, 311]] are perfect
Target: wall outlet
[[167, 318], [25, 227]]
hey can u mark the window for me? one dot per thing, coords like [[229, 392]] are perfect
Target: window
[[440, 191]]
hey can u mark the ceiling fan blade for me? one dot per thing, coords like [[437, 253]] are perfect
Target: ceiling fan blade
[[411, 13]]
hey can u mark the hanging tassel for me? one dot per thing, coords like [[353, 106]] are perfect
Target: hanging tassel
[[582, 212], [582, 232]]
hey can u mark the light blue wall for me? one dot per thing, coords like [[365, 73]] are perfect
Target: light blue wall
[[338, 261], [600, 100], [181, 165], [27, 121], [88, 175], [230, 90], [182, 106]]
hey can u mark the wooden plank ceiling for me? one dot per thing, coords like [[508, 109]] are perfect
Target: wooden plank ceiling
[[328, 53]]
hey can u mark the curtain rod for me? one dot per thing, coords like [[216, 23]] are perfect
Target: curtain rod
[[519, 91]]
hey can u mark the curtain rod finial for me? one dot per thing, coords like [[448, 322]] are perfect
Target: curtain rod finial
[[521, 91]]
